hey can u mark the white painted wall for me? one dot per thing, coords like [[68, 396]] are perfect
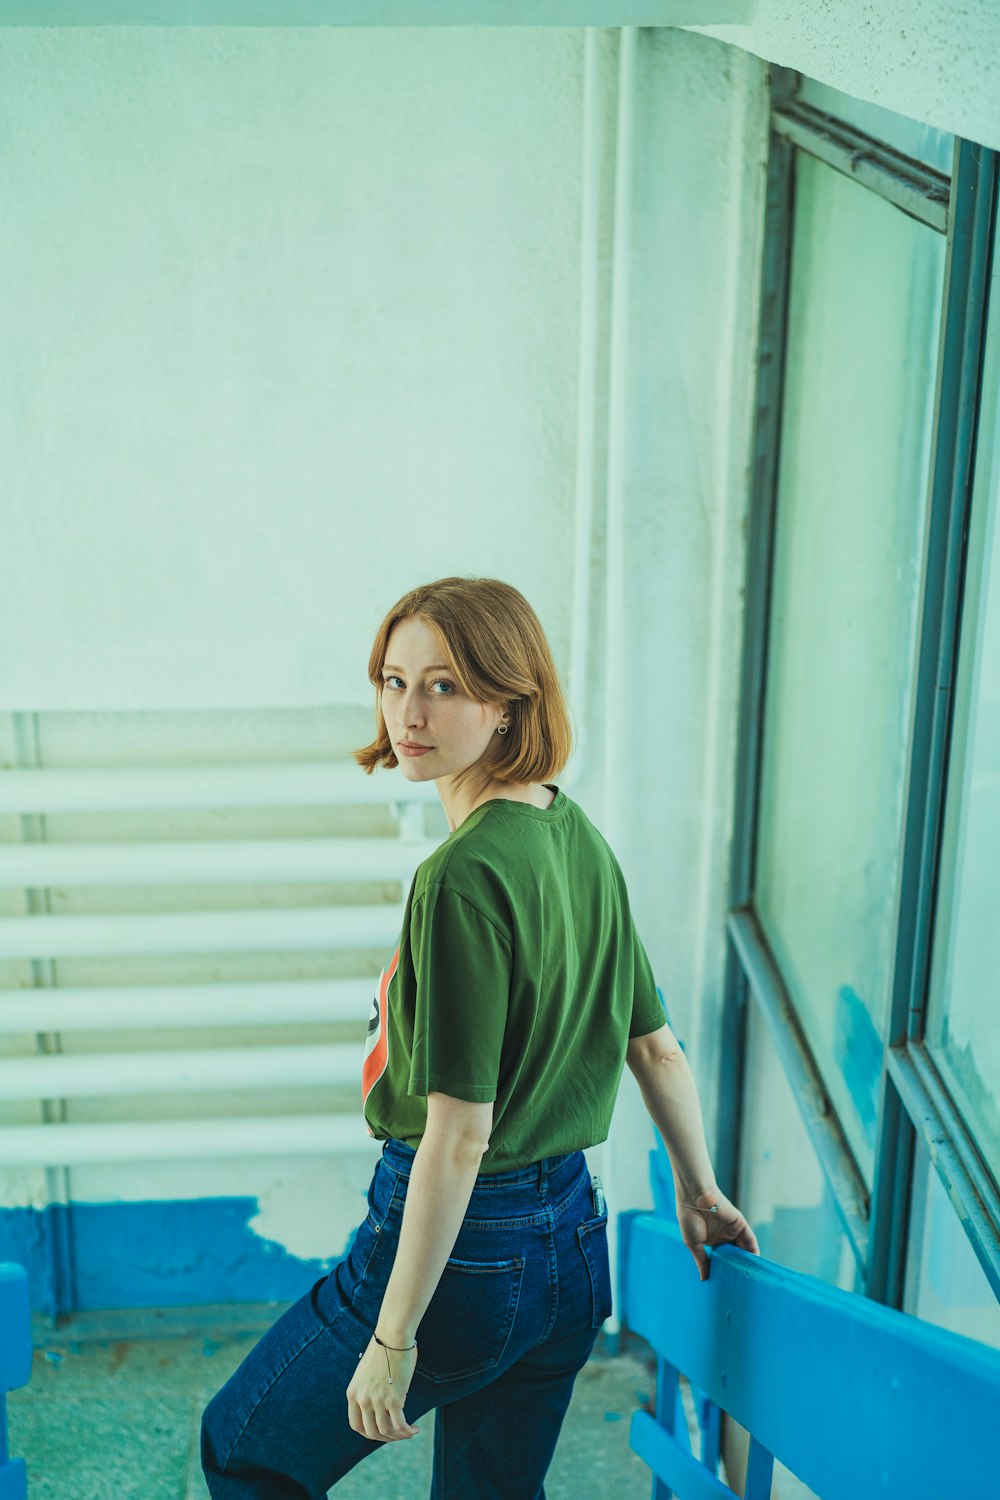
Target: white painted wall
[[290, 325]]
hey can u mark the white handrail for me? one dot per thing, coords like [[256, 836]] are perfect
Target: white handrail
[[283, 1002], [187, 1140], [209, 861], [256, 931], [81, 1076], [288, 784]]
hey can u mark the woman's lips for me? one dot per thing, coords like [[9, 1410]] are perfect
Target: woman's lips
[[414, 749]]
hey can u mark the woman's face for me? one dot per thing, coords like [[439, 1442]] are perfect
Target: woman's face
[[423, 705]]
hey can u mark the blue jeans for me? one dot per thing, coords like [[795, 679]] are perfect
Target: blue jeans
[[512, 1321]]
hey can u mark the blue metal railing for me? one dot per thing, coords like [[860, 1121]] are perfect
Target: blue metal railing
[[15, 1368], [858, 1400]]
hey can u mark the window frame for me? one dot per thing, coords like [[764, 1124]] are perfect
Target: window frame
[[912, 1097]]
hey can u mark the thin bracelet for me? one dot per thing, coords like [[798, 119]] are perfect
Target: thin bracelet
[[395, 1349], [713, 1210]]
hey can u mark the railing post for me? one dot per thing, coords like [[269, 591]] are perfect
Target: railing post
[[760, 1472], [15, 1368]]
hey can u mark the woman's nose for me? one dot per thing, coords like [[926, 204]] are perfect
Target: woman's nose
[[413, 712]]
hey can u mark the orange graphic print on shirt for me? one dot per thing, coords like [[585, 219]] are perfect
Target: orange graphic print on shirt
[[377, 1043]]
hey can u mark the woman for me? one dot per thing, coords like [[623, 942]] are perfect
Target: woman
[[479, 1280]]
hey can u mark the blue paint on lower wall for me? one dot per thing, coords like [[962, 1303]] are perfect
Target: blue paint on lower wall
[[25, 1236], [178, 1253]]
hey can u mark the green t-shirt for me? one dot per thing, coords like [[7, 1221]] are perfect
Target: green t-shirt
[[519, 976]]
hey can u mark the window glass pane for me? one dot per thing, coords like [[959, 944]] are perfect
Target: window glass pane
[[935, 148], [963, 1022], [944, 1281], [864, 310], [783, 1191]]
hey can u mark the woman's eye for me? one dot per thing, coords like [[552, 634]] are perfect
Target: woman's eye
[[449, 688]]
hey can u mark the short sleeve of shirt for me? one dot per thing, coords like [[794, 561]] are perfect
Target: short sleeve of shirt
[[647, 1010], [462, 967]]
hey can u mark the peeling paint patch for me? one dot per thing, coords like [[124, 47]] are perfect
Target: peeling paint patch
[[318, 1205], [158, 1254], [857, 1049]]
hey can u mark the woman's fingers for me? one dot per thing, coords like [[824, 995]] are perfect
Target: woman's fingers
[[356, 1418], [362, 1419], [382, 1425], [398, 1426], [392, 1425]]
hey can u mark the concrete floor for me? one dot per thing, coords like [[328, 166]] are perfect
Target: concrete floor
[[114, 1414]]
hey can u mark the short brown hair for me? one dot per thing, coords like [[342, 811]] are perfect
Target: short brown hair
[[497, 649]]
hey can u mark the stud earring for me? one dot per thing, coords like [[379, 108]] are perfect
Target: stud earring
[[502, 728]]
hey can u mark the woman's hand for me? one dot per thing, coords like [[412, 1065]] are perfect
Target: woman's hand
[[727, 1226], [374, 1406]]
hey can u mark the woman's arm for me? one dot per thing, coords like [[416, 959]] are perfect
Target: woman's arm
[[671, 1097], [441, 1179], [444, 1170], [669, 1094]]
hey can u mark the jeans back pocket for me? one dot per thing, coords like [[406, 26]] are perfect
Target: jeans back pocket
[[468, 1321], [593, 1239]]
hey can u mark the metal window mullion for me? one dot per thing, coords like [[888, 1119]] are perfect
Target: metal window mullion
[[848, 1187], [965, 1177], [768, 402], [959, 376], [916, 189]]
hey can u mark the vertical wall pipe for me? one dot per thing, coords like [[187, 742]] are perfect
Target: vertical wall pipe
[[614, 622], [590, 229], [614, 593]]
